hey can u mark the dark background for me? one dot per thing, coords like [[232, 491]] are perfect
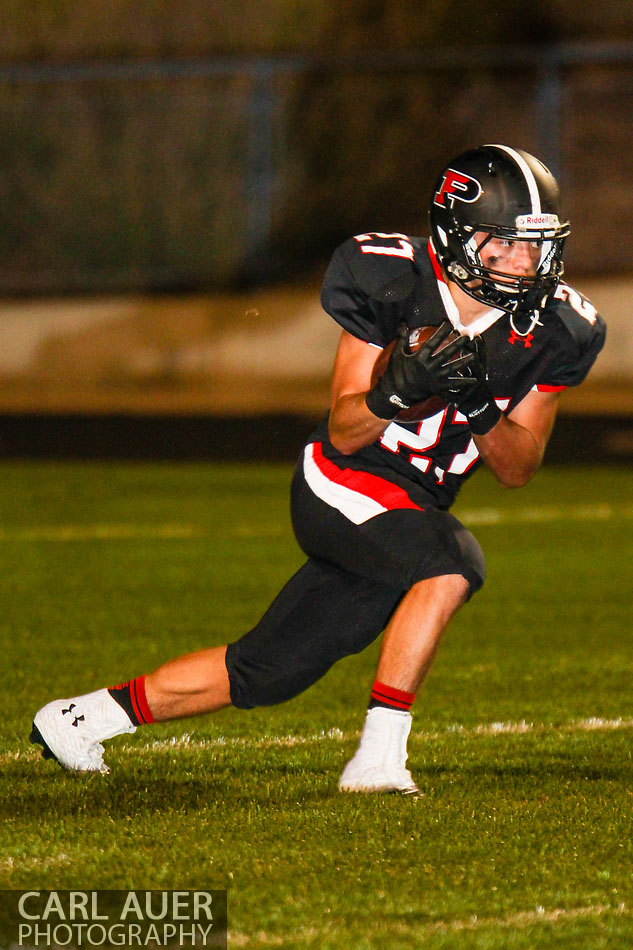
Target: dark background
[[194, 145]]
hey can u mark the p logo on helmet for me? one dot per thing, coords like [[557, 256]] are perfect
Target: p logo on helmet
[[456, 186], [503, 193]]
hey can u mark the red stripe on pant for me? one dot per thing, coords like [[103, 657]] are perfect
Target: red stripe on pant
[[387, 494]]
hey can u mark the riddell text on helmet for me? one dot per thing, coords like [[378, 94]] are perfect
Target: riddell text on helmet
[[537, 221]]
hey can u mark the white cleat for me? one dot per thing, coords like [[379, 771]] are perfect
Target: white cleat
[[72, 730], [379, 764]]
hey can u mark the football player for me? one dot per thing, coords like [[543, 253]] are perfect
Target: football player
[[373, 487]]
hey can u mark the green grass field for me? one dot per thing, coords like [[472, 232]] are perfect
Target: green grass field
[[522, 736]]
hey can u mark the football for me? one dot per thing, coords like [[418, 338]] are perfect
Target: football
[[430, 406]]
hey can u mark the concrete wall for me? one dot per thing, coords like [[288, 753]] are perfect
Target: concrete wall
[[263, 351]]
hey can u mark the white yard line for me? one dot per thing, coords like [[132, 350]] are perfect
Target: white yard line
[[35, 863], [517, 921], [530, 514], [187, 741], [527, 918], [540, 514], [100, 532], [594, 724]]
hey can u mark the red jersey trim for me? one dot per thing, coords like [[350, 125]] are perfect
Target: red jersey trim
[[434, 262], [542, 388]]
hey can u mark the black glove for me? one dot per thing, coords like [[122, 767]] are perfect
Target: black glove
[[411, 377], [470, 391]]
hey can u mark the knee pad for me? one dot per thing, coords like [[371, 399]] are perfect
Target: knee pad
[[473, 559]]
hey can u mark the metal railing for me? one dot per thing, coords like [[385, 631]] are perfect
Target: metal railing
[[548, 65]]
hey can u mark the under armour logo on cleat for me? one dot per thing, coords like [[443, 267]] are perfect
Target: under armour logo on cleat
[[77, 718]]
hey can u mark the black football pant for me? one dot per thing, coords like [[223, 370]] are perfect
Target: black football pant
[[343, 597]]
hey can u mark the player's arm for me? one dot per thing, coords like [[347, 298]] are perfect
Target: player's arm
[[352, 425], [360, 412], [513, 448]]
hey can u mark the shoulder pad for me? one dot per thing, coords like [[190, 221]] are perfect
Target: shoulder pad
[[576, 313], [580, 337], [370, 284], [381, 264]]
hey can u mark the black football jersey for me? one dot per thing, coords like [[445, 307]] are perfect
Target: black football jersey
[[377, 282]]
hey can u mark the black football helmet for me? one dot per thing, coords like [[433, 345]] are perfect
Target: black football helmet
[[505, 193]]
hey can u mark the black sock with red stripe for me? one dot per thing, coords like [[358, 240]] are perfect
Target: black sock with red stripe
[[131, 697], [390, 698]]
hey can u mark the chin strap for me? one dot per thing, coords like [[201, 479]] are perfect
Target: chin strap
[[534, 322]]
